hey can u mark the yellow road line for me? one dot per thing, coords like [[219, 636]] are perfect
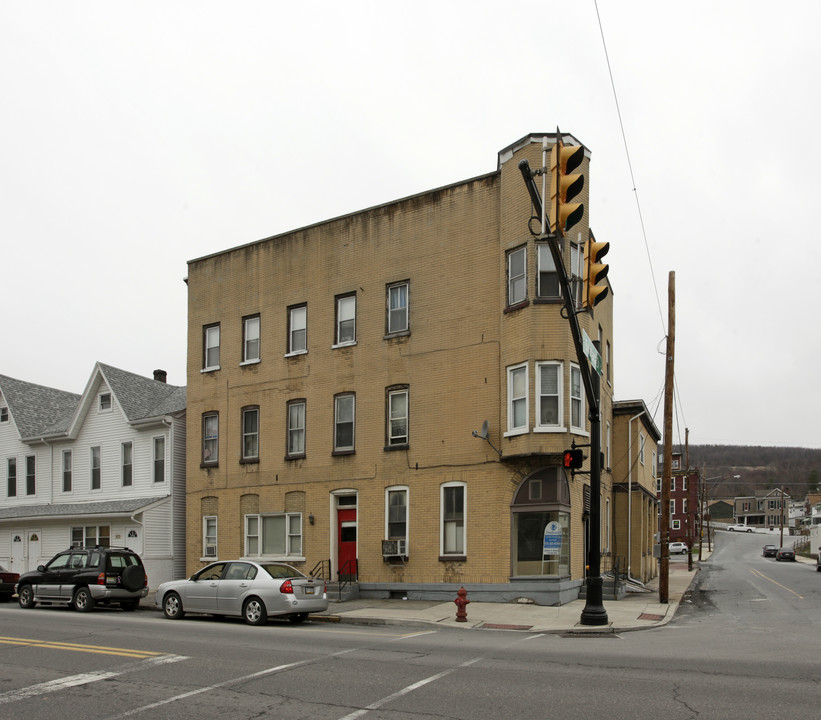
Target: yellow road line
[[762, 575], [77, 647]]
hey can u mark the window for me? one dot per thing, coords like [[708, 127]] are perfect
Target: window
[[672, 508], [577, 272], [96, 468], [67, 470], [398, 417], [250, 433], [11, 477], [127, 467], [673, 483], [642, 443], [676, 525], [4, 414], [298, 330], [658, 485], [211, 347], [296, 428], [684, 505], [607, 361], [396, 514], [683, 482], [273, 535], [549, 395], [517, 276], [344, 416], [346, 320], [607, 445], [209, 536], [250, 339], [576, 400], [105, 402], [517, 410], [397, 311], [91, 535], [31, 487], [159, 459], [210, 438], [453, 519], [548, 278]]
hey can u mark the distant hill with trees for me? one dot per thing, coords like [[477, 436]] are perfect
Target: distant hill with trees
[[797, 470]]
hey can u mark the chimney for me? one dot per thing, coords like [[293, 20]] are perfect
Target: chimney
[[160, 375]]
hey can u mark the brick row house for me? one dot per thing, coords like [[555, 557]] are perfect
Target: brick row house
[[685, 511], [103, 467], [390, 393]]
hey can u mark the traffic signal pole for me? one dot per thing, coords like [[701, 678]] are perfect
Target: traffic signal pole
[[594, 612]]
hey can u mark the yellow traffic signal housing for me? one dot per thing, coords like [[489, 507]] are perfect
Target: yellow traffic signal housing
[[564, 186], [595, 273]]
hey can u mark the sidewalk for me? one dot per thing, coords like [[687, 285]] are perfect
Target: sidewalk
[[637, 611]]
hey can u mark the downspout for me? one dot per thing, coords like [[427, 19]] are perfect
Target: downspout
[[630, 490]]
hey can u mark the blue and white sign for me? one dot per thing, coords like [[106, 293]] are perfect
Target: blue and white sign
[[552, 539]]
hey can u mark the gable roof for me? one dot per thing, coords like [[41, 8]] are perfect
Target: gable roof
[[143, 398], [37, 410]]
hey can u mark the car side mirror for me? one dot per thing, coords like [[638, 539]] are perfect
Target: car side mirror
[[41, 568]]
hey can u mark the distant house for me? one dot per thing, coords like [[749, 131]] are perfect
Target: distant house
[[105, 467], [766, 509], [720, 511], [684, 493]]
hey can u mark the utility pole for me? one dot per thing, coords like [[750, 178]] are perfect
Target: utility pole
[[664, 529]]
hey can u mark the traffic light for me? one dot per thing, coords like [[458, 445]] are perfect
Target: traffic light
[[573, 459], [564, 186], [595, 272]]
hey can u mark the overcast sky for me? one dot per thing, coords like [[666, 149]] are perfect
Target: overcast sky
[[138, 136]]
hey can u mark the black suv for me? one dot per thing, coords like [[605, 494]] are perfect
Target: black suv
[[82, 577]]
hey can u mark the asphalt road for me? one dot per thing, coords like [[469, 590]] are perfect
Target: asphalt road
[[745, 644]]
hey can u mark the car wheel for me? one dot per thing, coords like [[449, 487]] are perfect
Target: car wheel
[[254, 612], [82, 600], [172, 607], [730, 530], [25, 597], [133, 578], [298, 618], [130, 605], [818, 568], [749, 529]]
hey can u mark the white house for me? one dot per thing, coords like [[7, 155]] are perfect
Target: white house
[[106, 467]]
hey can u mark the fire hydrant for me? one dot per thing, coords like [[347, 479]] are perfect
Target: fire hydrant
[[461, 605]]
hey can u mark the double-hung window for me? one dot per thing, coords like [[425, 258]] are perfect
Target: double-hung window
[[127, 465], [397, 310], [517, 405], [296, 428], [159, 459], [548, 277], [298, 330], [105, 402], [210, 438], [11, 477], [453, 503], [211, 347], [96, 468], [549, 396], [31, 464], [517, 276], [346, 320], [275, 535], [250, 433], [396, 515], [4, 414], [344, 422], [397, 429], [209, 536], [67, 471], [576, 400], [250, 339]]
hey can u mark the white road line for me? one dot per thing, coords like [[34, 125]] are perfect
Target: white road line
[[404, 691], [82, 679]]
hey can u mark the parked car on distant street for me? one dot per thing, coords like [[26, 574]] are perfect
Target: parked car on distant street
[[769, 551], [253, 591], [740, 528], [785, 554], [7, 582], [678, 547]]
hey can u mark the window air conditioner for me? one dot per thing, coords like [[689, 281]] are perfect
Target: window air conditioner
[[394, 548], [210, 551]]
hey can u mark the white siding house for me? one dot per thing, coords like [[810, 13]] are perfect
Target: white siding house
[[105, 467]]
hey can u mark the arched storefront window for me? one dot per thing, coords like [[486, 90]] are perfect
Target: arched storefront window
[[541, 499]]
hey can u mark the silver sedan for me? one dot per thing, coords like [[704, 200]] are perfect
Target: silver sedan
[[254, 591]]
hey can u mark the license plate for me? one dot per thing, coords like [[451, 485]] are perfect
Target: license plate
[[309, 590], [111, 579]]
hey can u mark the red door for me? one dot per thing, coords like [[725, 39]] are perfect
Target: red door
[[346, 536]]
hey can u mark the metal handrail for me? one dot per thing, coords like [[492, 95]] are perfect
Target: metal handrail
[[322, 570], [348, 574]]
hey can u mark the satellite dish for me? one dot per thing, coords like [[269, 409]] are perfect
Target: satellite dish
[[483, 434]]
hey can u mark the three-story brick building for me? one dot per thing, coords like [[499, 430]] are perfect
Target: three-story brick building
[[340, 377]]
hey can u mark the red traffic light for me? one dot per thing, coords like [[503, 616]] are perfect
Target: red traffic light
[[573, 459]]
